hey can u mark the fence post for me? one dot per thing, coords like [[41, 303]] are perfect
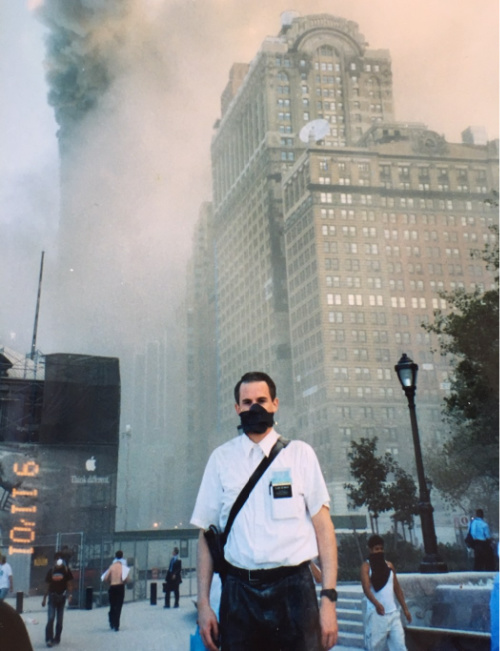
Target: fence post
[[88, 598]]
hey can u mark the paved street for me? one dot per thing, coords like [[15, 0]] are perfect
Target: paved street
[[143, 627]]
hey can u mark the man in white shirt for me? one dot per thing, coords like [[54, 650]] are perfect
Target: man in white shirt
[[268, 598], [6, 583]]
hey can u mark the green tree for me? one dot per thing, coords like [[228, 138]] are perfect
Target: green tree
[[403, 499], [370, 473], [467, 463]]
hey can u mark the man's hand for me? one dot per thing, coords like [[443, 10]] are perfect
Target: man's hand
[[328, 621], [379, 608], [407, 615], [209, 627], [44, 601]]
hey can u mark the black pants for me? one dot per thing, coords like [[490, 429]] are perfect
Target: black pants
[[171, 587], [55, 611], [116, 597], [282, 616], [484, 558]]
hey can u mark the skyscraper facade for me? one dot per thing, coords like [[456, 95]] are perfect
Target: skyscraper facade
[[334, 230]]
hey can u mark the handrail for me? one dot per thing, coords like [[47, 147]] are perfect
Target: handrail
[[448, 631]]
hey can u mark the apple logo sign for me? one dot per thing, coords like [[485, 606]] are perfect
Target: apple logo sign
[[90, 464]]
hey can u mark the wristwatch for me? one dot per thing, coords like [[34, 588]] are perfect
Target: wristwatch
[[330, 593]]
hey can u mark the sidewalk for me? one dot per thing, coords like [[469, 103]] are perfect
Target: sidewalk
[[143, 627]]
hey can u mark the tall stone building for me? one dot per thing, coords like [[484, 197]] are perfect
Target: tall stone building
[[334, 229]]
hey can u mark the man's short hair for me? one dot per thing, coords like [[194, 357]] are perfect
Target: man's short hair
[[375, 540], [119, 554], [176, 550], [255, 376], [479, 513]]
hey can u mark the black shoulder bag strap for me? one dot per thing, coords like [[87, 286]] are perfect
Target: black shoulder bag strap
[[251, 483]]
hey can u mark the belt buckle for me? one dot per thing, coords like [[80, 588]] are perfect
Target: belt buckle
[[250, 579]]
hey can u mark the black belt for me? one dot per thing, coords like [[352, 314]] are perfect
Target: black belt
[[265, 576]]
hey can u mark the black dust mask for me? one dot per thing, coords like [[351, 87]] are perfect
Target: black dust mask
[[256, 420], [380, 570]]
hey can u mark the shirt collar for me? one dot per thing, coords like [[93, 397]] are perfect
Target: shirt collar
[[265, 445]]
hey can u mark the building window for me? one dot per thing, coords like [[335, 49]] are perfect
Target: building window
[[334, 299], [335, 317]]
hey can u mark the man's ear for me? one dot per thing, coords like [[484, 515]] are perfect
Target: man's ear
[[238, 408]]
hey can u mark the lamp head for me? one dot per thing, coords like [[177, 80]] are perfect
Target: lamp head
[[407, 372]]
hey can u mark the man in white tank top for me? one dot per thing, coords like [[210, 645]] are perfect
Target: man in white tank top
[[383, 627]]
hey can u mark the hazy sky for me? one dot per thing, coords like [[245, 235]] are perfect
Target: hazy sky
[[170, 70]]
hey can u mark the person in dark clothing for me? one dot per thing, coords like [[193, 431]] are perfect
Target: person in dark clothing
[[59, 587], [173, 579]]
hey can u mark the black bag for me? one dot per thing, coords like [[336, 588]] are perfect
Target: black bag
[[469, 540], [217, 539]]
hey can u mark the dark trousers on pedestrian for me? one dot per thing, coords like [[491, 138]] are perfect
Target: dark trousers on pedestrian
[[56, 603], [278, 616], [484, 559], [172, 587], [116, 596]]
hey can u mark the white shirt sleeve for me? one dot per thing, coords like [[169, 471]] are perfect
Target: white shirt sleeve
[[316, 492], [208, 503]]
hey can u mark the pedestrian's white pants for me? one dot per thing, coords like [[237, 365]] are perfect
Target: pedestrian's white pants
[[384, 632]]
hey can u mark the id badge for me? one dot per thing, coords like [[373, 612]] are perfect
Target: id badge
[[281, 490], [281, 484]]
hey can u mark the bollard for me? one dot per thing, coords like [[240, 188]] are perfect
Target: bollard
[[88, 598], [153, 594], [19, 602]]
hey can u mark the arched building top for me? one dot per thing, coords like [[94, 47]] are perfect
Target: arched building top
[[308, 33]]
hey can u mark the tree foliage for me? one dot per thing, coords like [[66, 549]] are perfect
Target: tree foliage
[[468, 334], [373, 487], [403, 497]]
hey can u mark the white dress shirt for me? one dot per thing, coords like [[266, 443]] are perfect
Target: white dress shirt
[[269, 531]]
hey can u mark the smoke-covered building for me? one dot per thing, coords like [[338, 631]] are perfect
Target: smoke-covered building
[[335, 227], [201, 404]]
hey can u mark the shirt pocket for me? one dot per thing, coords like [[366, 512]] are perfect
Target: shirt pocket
[[284, 494]]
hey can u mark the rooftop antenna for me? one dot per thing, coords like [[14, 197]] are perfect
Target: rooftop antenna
[[35, 326]]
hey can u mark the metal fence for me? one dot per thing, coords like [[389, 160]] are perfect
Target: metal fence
[[147, 553]]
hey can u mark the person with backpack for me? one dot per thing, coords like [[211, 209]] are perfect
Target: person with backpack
[[59, 581]]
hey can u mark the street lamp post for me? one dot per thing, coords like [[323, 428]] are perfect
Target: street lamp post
[[407, 370]]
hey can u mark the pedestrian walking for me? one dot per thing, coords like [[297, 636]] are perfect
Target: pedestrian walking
[[59, 588], [116, 575], [6, 581], [382, 621]]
